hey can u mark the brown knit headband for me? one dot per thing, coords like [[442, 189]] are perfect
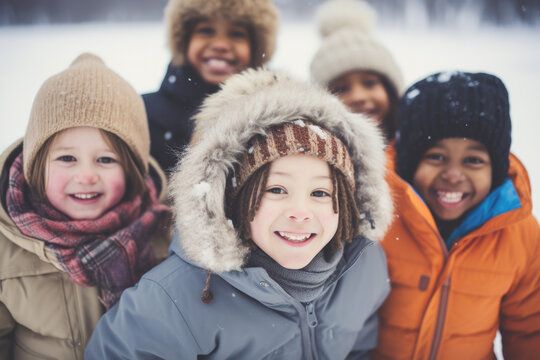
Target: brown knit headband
[[297, 137]]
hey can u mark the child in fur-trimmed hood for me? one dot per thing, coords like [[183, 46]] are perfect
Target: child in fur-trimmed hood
[[209, 41], [279, 201]]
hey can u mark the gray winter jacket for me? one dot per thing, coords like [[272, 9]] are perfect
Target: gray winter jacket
[[251, 316]]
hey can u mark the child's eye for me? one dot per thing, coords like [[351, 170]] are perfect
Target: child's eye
[[66, 158], [239, 34], [320, 193], [474, 160], [338, 90], [204, 30], [370, 83], [106, 160], [435, 157], [276, 190]]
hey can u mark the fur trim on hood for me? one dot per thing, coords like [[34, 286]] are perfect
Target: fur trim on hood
[[261, 15], [248, 104]]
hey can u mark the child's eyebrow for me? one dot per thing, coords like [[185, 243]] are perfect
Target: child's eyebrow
[[71, 148], [280, 173], [477, 148], [241, 24]]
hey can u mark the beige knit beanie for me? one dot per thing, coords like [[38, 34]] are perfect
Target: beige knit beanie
[[87, 93], [297, 137], [348, 45], [261, 15]]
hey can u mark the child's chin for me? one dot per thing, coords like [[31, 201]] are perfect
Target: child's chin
[[294, 265], [449, 215]]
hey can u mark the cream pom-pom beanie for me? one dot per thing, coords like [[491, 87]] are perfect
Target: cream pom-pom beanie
[[348, 44]]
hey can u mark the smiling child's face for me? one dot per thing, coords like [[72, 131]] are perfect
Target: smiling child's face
[[296, 218], [84, 177], [219, 48], [363, 92], [453, 176]]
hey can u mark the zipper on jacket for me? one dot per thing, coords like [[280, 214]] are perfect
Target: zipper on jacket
[[312, 323], [441, 317], [305, 327], [441, 313], [311, 317]]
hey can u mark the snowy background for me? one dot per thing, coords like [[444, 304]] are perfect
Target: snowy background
[[138, 52]]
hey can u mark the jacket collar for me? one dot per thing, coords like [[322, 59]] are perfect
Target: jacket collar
[[256, 283], [501, 200], [184, 83]]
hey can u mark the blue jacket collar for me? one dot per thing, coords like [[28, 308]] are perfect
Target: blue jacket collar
[[501, 200]]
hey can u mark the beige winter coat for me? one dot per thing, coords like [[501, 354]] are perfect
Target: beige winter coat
[[43, 314]]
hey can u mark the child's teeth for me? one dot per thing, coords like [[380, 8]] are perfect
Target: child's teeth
[[293, 237], [85, 196], [450, 197], [217, 62]]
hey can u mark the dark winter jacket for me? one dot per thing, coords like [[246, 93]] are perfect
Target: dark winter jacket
[[169, 111]]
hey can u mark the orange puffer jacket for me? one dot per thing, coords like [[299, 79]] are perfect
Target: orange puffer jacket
[[449, 304]]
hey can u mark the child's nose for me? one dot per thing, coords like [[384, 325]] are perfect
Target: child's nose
[[86, 176], [453, 174], [299, 212], [356, 96], [220, 42]]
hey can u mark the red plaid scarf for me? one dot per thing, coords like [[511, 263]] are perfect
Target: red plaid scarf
[[111, 252]]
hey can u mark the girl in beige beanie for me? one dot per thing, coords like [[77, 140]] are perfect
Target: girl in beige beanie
[[81, 218], [209, 40], [354, 65]]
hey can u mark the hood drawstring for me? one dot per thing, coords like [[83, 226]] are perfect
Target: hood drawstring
[[207, 296]]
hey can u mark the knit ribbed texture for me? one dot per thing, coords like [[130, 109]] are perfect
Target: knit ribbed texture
[[306, 284], [454, 105], [260, 15], [87, 93], [349, 45], [297, 137]]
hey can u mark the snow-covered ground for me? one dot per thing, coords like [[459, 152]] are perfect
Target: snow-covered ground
[[137, 52]]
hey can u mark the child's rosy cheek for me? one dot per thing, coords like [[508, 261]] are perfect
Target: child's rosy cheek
[[118, 187]]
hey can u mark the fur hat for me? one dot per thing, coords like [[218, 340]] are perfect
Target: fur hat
[[87, 93], [348, 45], [261, 15], [251, 104], [450, 105]]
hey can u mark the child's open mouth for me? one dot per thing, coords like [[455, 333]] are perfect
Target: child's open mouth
[[85, 196], [295, 239], [451, 198], [219, 65]]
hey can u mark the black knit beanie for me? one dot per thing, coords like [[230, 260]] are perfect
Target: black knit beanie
[[450, 105]]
